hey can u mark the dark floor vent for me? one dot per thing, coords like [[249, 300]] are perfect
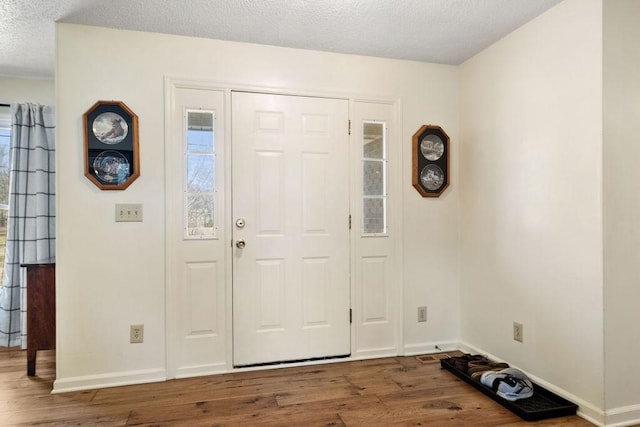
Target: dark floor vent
[[427, 358]]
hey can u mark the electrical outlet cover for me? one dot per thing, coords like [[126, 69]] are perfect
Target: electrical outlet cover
[[517, 332], [422, 314], [136, 334]]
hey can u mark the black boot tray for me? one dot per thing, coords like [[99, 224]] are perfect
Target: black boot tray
[[543, 404]]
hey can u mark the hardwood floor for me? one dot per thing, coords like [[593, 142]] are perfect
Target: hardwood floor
[[398, 391]]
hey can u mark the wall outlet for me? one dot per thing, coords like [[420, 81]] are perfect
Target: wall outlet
[[128, 212], [136, 334], [517, 331], [422, 314]]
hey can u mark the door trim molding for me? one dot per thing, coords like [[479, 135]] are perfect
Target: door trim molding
[[173, 82]]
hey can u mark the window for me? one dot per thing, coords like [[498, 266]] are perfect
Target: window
[[200, 166], [374, 178], [5, 149]]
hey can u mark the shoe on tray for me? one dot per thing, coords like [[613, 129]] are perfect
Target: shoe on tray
[[485, 365], [461, 363], [510, 383]]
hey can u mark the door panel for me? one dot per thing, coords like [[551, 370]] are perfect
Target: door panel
[[291, 188], [376, 268], [196, 273]]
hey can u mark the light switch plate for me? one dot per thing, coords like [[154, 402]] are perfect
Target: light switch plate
[[131, 212]]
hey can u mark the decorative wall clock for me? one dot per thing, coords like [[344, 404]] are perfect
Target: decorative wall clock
[[111, 155], [430, 175]]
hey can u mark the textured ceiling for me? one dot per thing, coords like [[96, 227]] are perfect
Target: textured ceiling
[[440, 31]]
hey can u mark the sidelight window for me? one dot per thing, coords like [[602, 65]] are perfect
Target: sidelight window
[[200, 166], [374, 178]]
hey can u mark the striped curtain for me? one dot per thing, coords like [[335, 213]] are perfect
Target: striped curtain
[[31, 219]]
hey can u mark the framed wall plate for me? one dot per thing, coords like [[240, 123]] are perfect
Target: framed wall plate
[[111, 153], [430, 174]]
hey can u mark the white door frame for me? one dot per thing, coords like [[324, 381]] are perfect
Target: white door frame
[[395, 186]]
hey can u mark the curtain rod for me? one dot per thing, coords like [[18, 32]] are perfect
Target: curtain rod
[[5, 105]]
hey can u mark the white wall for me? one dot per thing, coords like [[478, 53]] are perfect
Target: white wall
[[524, 212], [531, 200], [622, 208], [14, 90], [111, 275]]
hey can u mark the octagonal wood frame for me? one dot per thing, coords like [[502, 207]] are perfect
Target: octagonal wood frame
[[95, 145], [420, 162]]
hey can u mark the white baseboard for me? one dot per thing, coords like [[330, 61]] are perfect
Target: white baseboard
[[374, 353], [202, 370], [623, 416], [117, 379], [429, 348]]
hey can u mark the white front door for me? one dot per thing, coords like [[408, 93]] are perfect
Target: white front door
[[290, 170]]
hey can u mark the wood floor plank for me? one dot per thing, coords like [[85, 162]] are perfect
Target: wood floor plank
[[310, 390], [373, 384], [394, 391], [234, 408], [257, 411]]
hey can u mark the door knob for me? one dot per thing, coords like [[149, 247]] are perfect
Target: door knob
[[240, 244]]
